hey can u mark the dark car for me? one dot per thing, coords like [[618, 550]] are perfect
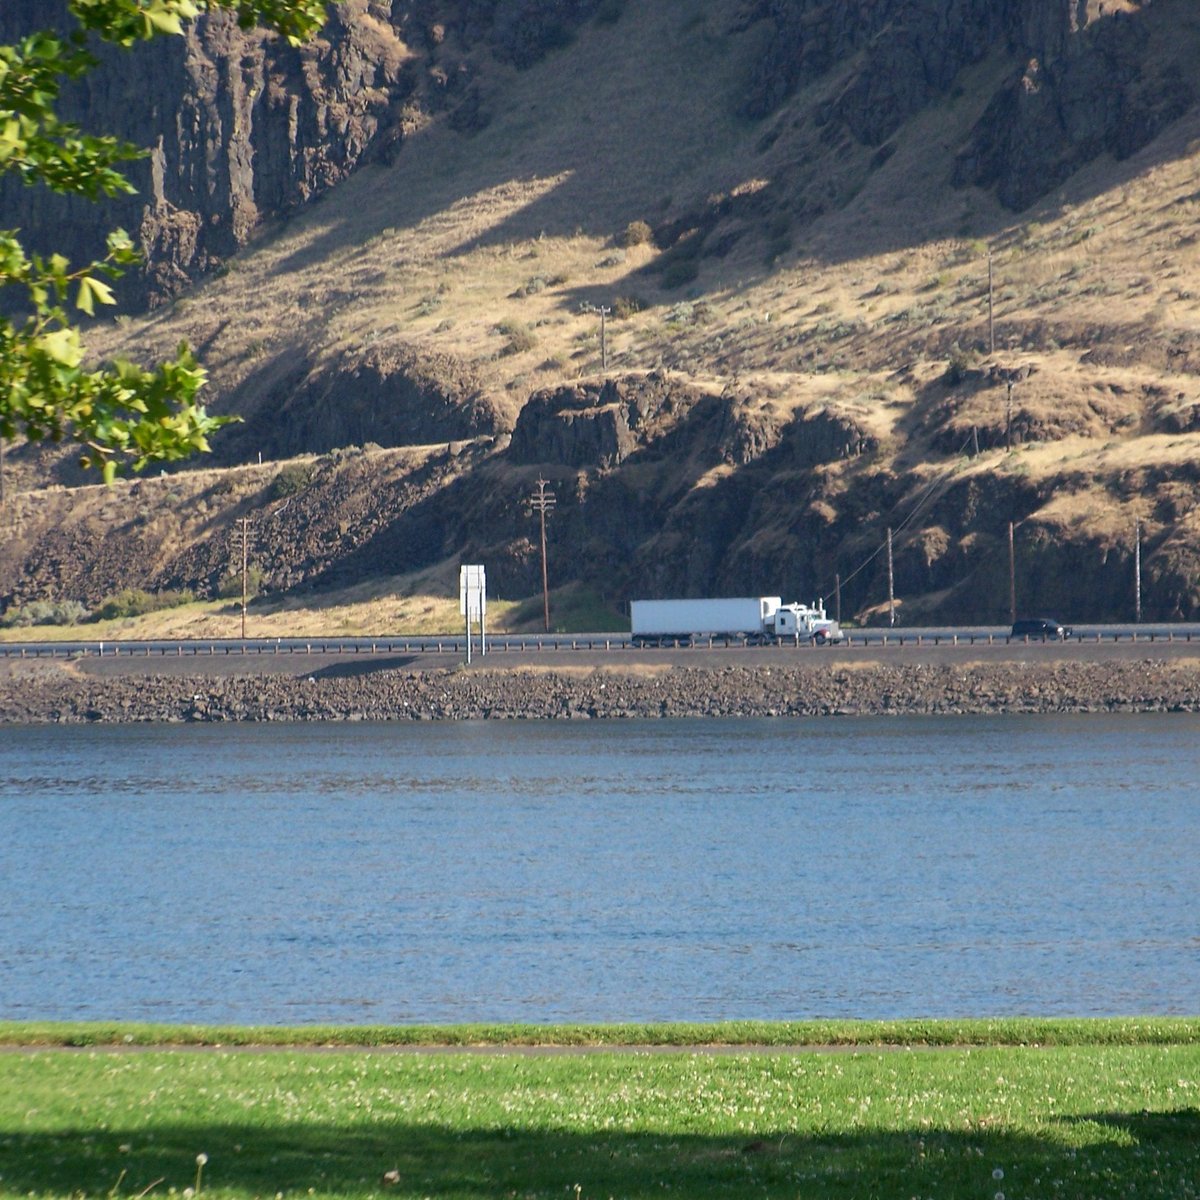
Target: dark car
[[1040, 627]]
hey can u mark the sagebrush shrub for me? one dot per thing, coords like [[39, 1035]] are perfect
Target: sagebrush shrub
[[637, 233]]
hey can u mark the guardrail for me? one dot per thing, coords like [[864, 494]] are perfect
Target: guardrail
[[451, 645]]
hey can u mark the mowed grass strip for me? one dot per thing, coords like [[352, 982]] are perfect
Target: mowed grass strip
[[1080, 1121], [1014, 1031]]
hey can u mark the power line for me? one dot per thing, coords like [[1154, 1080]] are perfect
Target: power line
[[924, 497]]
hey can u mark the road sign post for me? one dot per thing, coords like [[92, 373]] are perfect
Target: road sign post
[[472, 603]]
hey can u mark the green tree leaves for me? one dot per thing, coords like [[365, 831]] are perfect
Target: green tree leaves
[[120, 413], [129, 21]]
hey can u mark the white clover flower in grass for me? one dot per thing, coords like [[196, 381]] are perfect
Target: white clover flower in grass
[[998, 1173]]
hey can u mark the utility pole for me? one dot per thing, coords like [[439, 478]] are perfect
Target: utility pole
[[1008, 419], [1137, 571], [1012, 578], [244, 522], [837, 598], [991, 308], [891, 584], [542, 501], [603, 310]]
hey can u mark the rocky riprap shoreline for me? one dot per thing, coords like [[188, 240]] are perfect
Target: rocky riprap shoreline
[[46, 694]]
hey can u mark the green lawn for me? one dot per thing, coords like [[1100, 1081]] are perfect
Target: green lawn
[[1116, 1115]]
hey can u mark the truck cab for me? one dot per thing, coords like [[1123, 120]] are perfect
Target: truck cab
[[804, 622]]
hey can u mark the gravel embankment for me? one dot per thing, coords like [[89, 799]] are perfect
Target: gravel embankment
[[51, 693]]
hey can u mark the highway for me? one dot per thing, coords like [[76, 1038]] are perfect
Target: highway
[[299, 655]]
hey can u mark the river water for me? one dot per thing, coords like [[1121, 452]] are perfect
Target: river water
[[607, 871]]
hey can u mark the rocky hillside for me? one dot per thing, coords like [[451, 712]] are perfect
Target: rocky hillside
[[749, 282], [242, 128]]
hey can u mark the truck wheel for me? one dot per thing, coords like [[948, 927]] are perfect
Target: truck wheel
[[820, 637]]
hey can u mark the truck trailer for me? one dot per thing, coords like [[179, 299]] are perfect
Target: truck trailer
[[752, 620]]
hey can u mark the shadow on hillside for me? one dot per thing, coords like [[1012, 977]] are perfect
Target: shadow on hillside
[[585, 200], [1151, 1151], [599, 529], [644, 519], [437, 526]]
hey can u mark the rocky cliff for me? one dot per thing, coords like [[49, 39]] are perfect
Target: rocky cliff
[[1087, 77], [240, 128], [661, 487]]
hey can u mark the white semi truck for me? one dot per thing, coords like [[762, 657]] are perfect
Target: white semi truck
[[755, 620]]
